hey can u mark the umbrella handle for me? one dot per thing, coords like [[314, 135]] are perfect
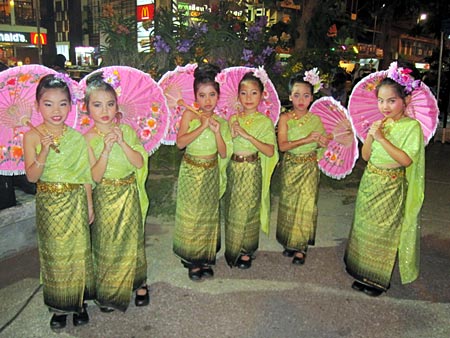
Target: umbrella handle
[[53, 146], [181, 102]]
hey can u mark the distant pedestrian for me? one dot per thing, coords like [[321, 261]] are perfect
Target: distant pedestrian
[[59, 63], [339, 88], [119, 168], [391, 192], [203, 133], [63, 204], [247, 198], [300, 135]]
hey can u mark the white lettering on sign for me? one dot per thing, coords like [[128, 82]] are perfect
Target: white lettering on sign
[[13, 37]]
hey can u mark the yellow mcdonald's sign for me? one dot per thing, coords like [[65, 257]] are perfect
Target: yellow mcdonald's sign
[[42, 38], [145, 12]]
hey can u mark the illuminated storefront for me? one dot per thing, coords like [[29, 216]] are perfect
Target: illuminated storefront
[[145, 12], [20, 42]]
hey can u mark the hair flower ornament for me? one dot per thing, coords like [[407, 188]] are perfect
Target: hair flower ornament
[[63, 77], [75, 93], [112, 77], [221, 78], [402, 77], [261, 74], [312, 76]]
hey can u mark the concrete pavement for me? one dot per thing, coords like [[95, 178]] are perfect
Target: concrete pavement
[[274, 298]]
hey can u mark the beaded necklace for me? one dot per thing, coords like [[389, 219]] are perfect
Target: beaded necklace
[[305, 117], [99, 132], [56, 138], [246, 118]]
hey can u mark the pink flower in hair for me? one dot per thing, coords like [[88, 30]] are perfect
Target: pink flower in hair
[[261, 74], [402, 77], [312, 76]]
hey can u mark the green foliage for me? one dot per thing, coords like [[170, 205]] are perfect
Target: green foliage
[[216, 36], [120, 39]]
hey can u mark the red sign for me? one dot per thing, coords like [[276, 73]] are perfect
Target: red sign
[[145, 12], [35, 36]]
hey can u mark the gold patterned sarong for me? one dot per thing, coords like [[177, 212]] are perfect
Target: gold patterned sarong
[[242, 203], [197, 231], [118, 242], [64, 245], [375, 234], [297, 211]]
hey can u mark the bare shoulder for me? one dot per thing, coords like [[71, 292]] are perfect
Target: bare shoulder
[[89, 135], [32, 135]]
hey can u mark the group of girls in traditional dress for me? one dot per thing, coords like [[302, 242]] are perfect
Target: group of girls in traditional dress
[[388, 202], [91, 241], [205, 175]]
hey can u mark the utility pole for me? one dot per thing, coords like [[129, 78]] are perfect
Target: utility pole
[[37, 6]]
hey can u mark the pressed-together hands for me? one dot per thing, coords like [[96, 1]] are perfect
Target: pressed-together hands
[[114, 136], [321, 140], [237, 130], [376, 130], [209, 122]]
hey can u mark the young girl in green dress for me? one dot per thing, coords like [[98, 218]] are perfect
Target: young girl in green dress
[[391, 192], [56, 157], [247, 198], [300, 134], [119, 168], [203, 134]]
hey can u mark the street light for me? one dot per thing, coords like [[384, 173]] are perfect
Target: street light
[[12, 13], [422, 17], [375, 22]]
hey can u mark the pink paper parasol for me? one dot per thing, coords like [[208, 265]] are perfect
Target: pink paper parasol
[[177, 85], [363, 106], [142, 104], [342, 151], [18, 113], [229, 104]]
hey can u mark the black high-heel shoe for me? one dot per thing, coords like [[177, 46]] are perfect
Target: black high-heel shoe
[[299, 260], [82, 317], [207, 272], [106, 309], [195, 274], [244, 264], [142, 300], [58, 321]]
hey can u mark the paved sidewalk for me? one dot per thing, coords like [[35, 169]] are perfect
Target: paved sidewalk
[[273, 298]]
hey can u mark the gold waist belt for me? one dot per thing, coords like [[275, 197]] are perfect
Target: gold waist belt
[[247, 158], [393, 173], [56, 187], [118, 181], [302, 158], [200, 162]]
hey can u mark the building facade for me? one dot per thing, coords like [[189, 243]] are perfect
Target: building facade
[[22, 38]]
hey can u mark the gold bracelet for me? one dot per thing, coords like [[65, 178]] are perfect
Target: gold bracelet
[[38, 164]]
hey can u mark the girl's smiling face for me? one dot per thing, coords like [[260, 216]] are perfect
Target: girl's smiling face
[[390, 103], [54, 106]]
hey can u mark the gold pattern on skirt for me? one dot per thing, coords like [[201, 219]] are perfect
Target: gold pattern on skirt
[[302, 158], [200, 162], [51, 187], [119, 181], [392, 173]]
